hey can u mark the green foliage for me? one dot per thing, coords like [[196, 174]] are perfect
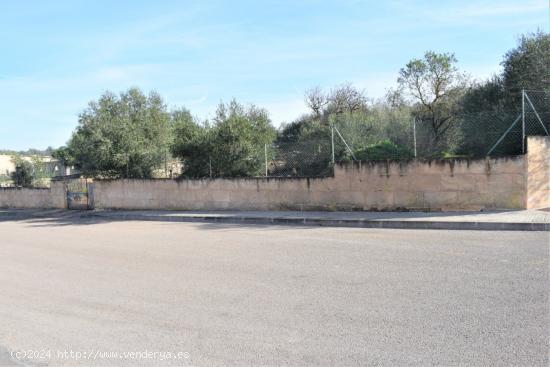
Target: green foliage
[[64, 155], [121, 136], [384, 149], [23, 175], [191, 143], [303, 148], [437, 86], [29, 152], [233, 146], [131, 135], [40, 171], [381, 121], [489, 108], [292, 132], [485, 96], [344, 98], [527, 66]]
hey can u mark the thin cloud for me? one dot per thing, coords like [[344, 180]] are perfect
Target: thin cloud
[[197, 101], [104, 77], [482, 10], [500, 8]]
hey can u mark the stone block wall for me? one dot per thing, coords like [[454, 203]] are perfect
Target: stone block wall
[[386, 185], [458, 184], [538, 172], [53, 198], [517, 182]]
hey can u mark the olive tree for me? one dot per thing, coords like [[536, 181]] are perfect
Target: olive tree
[[23, 175], [436, 85], [232, 145], [124, 136]]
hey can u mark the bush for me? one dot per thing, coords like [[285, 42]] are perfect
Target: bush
[[384, 149], [233, 146], [124, 136], [23, 174]]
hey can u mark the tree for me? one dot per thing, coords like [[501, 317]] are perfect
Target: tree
[[341, 99], [489, 108], [344, 105], [184, 130], [394, 99], [527, 66], [437, 85], [292, 132], [489, 95], [41, 172], [124, 136], [232, 146], [484, 117], [192, 144], [316, 100], [23, 175], [346, 98], [64, 155]]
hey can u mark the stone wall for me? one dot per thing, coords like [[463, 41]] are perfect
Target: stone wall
[[538, 172], [387, 185], [458, 184], [54, 197]]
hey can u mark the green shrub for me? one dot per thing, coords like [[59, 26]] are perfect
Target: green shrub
[[23, 174], [384, 149]]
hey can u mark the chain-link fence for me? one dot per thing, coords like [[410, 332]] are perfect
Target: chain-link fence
[[532, 119], [302, 158], [489, 133], [382, 135], [486, 133], [535, 114]]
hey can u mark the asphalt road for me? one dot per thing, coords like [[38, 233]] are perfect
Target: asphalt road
[[76, 292]]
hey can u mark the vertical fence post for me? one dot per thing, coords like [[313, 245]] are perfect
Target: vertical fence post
[[265, 155], [523, 121], [332, 142], [414, 135], [165, 164]]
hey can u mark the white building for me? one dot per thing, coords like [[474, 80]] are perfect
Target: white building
[[52, 166]]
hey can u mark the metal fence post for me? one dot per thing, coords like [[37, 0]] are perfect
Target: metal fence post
[[332, 142], [414, 135], [523, 121], [345, 143], [504, 135], [265, 155]]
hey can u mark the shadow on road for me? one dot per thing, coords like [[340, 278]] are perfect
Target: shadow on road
[[87, 218]]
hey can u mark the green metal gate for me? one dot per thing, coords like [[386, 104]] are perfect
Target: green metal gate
[[77, 194]]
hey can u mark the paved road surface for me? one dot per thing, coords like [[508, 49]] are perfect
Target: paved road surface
[[225, 295]]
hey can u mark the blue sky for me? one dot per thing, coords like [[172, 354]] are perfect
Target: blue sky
[[58, 55]]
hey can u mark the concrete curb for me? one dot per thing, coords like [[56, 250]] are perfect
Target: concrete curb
[[327, 222], [282, 220]]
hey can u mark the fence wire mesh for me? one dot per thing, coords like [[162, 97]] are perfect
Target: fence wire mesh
[[487, 133], [536, 112], [490, 133], [301, 158]]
